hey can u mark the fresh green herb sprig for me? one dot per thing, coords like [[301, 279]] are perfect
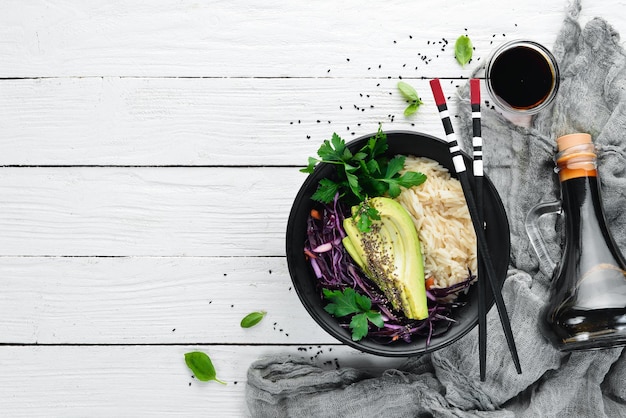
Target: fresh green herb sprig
[[348, 302], [366, 173], [366, 214], [463, 50], [410, 94]]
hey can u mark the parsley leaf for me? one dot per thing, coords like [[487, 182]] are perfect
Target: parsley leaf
[[409, 93], [463, 50], [348, 302], [326, 191], [365, 215]]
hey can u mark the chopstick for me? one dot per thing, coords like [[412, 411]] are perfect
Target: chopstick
[[483, 250], [477, 143]]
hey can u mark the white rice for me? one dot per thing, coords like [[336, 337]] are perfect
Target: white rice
[[443, 223]]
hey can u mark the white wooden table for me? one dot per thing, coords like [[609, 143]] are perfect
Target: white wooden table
[[149, 159]]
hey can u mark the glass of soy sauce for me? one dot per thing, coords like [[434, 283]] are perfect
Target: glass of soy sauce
[[522, 77]]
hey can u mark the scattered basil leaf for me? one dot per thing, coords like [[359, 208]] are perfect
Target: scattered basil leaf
[[463, 49], [252, 319], [349, 302], [409, 93], [201, 366]]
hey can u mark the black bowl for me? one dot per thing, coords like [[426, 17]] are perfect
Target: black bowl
[[305, 282]]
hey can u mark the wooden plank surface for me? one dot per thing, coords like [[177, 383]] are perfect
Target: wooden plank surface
[[191, 122], [97, 381], [269, 39], [146, 211], [151, 300], [149, 158]]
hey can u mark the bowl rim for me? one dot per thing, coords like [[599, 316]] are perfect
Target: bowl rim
[[331, 326]]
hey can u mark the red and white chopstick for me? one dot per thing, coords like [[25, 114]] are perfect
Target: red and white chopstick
[[477, 142], [483, 250]]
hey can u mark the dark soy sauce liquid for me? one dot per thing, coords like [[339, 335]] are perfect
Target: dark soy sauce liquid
[[522, 77], [588, 309]]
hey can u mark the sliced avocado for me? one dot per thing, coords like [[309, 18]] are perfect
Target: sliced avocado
[[391, 255]]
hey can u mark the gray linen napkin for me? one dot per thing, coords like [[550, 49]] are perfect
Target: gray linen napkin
[[592, 99]]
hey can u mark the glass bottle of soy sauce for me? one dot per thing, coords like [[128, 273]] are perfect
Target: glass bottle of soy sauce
[[587, 305]]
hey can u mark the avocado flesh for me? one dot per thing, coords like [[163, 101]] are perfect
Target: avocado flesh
[[390, 254]]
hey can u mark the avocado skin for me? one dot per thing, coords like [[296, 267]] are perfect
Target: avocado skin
[[390, 254]]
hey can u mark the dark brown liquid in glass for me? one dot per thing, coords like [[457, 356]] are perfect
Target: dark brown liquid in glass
[[588, 304], [522, 77]]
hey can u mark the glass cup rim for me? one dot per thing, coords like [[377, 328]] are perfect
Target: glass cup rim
[[545, 53]]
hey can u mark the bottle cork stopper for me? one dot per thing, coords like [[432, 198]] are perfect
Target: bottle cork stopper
[[571, 140]]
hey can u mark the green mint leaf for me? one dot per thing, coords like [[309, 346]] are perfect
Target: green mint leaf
[[463, 50], [407, 91], [252, 319], [201, 366], [375, 318], [326, 191], [359, 326], [342, 303]]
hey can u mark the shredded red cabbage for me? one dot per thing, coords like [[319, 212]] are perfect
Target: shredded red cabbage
[[335, 269]]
